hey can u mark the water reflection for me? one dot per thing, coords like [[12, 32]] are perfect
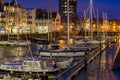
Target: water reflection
[[101, 67], [106, 72], [13, 53]]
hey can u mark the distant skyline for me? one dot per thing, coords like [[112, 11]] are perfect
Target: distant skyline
[[111, 7]]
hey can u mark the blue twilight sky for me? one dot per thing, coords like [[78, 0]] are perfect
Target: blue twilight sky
[[111, 7]]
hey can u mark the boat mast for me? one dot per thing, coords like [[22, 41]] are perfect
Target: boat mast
[[97, 25], [68, 23], [91, 21], [104, 25], [84, 23], [51, 29], [17, 22], [8, 20], [18, 27], [48, 26]]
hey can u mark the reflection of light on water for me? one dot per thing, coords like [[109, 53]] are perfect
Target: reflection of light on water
[[103, 46], [12, 53], [110, 61], [106, 64], [103, 61], [92, 78], [119, 42], [19, 51], [62, 41], [100, 68]]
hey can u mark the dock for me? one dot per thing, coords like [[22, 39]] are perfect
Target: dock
[[74, 70]]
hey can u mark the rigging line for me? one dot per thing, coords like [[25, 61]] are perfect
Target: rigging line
[[98, 25], [106, 23], [26, 37], [94, 11], [87, 10], [29, 46]]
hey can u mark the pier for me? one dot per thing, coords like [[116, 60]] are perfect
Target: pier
[[80, 68]]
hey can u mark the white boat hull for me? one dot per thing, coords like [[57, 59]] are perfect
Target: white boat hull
[[63, 53]]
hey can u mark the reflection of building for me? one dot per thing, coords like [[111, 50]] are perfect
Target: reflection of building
[[63, 10]]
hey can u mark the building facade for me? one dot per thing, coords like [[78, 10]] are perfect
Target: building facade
[[1, 5], [39, 22], [14, 17], [2, 16], [63, 10]]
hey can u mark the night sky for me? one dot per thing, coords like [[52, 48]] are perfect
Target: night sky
[[111, 7]]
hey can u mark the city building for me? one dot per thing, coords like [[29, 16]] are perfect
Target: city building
[[56, 21], [14, 17], [1, 5], [2, 16], [38, 21], [72, 11]]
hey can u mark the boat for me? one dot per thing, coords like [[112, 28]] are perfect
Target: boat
[[34, 65], [75, 51], [63, 53], [15, 43]]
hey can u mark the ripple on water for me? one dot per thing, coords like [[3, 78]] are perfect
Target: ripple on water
[[101, 67]]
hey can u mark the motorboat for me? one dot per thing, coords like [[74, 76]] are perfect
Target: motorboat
[[34, 65]]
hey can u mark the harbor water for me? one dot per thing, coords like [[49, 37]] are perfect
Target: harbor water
[[101, 67], [98, 69]]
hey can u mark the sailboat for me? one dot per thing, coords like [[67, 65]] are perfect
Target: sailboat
[[31, 65], [72, 51], [35, 65]]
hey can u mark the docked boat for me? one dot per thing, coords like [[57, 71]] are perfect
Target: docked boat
[[62, 53], [14, 43], [34, 65]]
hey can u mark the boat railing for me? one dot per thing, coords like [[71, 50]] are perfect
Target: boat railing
[[66, 74]]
